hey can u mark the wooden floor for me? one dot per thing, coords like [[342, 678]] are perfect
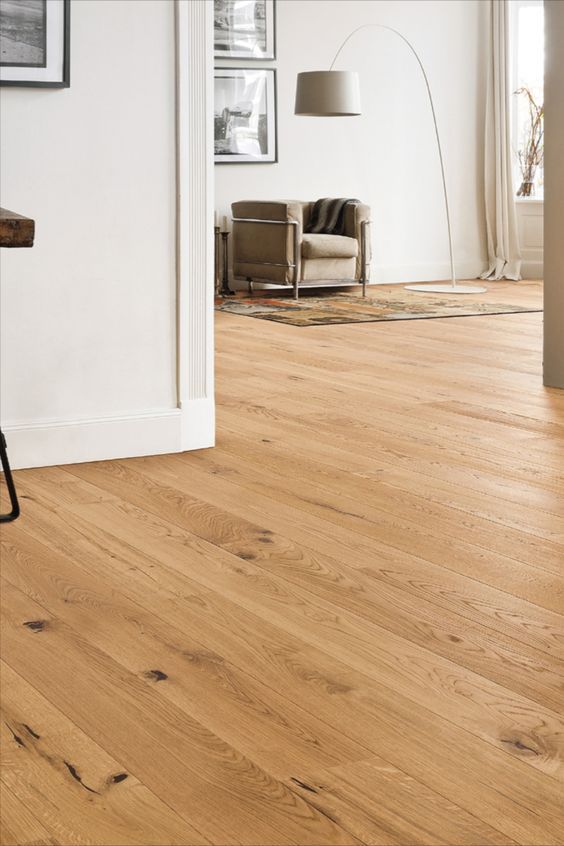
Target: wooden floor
[[342, 626]]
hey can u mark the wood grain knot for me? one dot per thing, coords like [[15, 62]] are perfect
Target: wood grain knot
[[31, 731], [522, 745], [303, 785], [36, 625], [75, 774], [155, 675], [16, 737]]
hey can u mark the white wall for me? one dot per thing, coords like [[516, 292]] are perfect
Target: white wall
[[388, 156], [554, 197], [88, 314]]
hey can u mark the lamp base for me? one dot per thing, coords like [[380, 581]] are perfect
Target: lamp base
[[447, 289]]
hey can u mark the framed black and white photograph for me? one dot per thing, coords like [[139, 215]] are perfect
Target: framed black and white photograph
[[245, 115], [244, 29], [35, 43]]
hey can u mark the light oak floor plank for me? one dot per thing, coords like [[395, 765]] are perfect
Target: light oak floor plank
[[239, 529], [345, 625], [182, 760], [375, 707], [18, 826], [486, 709], [76, 790]]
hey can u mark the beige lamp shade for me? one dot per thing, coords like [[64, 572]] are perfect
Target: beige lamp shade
[[328, 94]]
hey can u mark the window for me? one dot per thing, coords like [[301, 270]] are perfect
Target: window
[[527, 28]]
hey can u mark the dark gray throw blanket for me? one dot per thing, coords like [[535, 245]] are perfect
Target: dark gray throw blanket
[[328, 216]]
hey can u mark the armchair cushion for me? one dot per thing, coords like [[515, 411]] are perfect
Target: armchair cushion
[[329, 246]]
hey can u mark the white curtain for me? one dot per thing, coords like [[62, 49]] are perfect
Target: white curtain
[[504, 256]]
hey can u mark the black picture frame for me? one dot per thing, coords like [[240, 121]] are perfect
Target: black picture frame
[[248, 56], [271, 157], [64, 82]]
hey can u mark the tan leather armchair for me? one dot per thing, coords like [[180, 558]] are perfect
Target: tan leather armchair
[[270, 245]]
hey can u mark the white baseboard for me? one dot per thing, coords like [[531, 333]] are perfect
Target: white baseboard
[[49, 442], [46, 443], [532, 269], [198, 424], [432, 272]]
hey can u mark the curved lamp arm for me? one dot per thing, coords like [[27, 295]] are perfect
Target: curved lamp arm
[[420, 63]]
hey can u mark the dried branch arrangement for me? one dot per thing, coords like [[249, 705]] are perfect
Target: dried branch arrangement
[[532, 153]]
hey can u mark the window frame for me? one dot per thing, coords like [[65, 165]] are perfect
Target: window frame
[[514, 8]]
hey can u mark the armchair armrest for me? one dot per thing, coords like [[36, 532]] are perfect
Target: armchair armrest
[[281, 210], [266, 239], [357, 225]]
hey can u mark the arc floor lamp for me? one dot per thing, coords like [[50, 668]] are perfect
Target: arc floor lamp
[[334, 93]]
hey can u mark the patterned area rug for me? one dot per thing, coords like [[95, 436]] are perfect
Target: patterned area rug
[[347, 308]]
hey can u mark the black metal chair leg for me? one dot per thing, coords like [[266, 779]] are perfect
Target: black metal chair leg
[[15, 512]]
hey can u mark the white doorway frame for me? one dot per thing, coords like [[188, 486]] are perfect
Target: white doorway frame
[[195, 198]]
